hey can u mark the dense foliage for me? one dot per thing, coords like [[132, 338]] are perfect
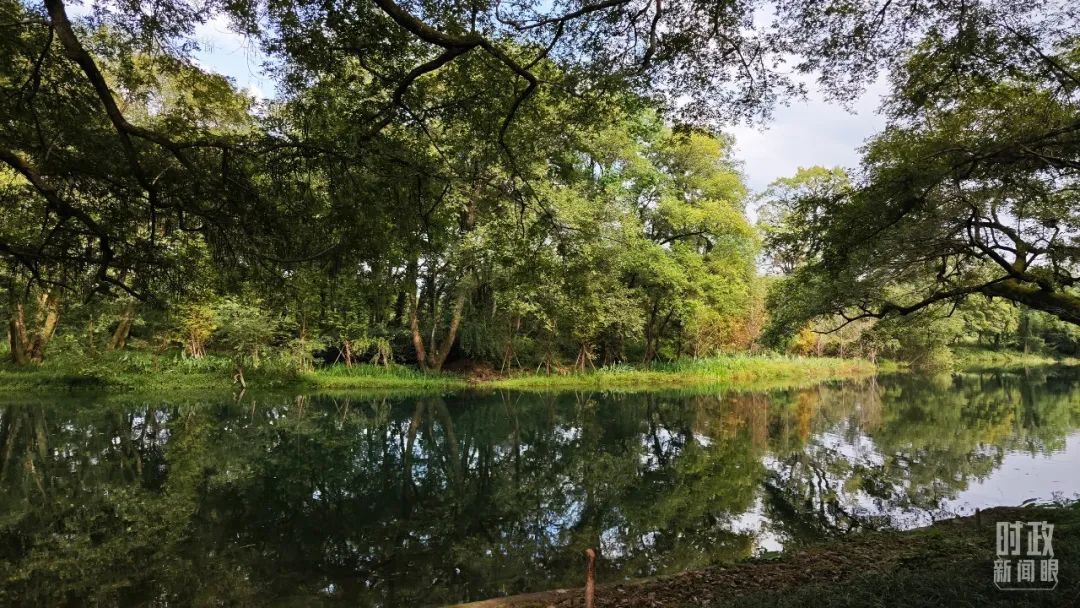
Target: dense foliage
[[970, 191], [529, 184]]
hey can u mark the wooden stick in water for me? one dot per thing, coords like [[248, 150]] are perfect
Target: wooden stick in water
[[590, 577]]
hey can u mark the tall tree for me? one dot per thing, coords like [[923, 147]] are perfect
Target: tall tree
[[972, 189]]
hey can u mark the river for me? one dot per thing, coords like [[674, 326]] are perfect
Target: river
[[412, 501]]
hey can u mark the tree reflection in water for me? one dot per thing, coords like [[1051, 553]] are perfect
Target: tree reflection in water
[[414, 501]]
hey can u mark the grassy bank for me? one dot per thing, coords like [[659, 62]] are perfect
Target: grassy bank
[[126, 371], [736, 370], [363, 377], [947, 564], [142, 371], [974, 358], [147, 372]]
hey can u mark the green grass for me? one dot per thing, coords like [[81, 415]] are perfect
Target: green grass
[[146, 372], [889, 366], [142, 371], [339, 378], [128, 370], [973, 357], [735, 370]]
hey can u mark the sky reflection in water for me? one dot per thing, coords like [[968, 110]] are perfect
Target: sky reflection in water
[[291, 499]]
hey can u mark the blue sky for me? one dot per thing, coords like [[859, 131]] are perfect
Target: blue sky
[[802, 134], [228, 53]]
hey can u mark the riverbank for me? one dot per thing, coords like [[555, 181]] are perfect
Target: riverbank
[[947, 564], [145, 372], [737, 370], [976, 358]]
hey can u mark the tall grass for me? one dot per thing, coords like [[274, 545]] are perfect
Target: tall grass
[[124, 370], [747, 370], [974, 358], [340, 377], [146, 371]]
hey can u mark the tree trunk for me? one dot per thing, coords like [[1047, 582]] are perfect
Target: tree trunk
[[29, 345], [584, 357], [508, 352], [439, 356], [195, 347], [399, 308], [347, 352], [414, 329], [650, 335], [123, 329], [654, 333], [433, 355], [650, 351], [49, 316], [17, 338], [1060, 304]]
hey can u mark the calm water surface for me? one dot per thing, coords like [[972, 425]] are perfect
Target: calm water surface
[[300, 500]]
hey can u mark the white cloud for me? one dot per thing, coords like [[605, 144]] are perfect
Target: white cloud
[[807, 133], [224, 51]]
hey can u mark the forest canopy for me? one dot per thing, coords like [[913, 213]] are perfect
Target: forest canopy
[[526, 183], [972, 189]]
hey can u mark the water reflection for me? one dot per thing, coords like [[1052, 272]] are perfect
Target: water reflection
[[402, 502]]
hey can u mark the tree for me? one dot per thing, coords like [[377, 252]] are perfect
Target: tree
[[107, 202], [972, 189], [519, 180], [789, 211], [698, 61]]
